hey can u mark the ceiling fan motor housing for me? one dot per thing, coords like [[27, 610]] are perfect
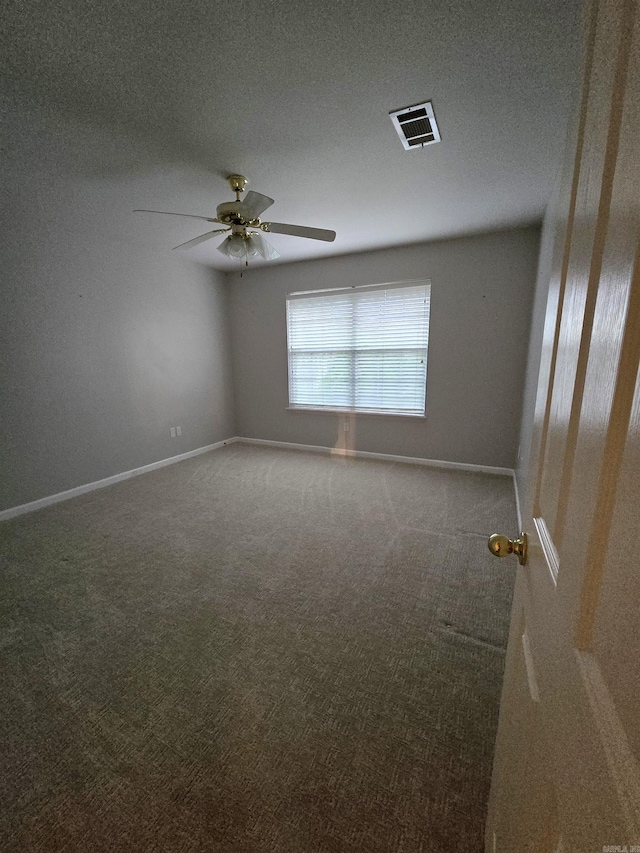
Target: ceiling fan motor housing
[[230, 213]]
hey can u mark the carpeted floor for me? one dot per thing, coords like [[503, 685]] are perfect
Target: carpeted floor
[[255, 651]]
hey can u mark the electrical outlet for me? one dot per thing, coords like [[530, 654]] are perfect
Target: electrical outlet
[[178, 430], [172, 432], [346, 426]]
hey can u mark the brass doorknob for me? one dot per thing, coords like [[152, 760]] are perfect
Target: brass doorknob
[[502, 546]]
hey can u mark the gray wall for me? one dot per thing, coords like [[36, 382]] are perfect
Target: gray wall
[[105, 341], [482, 291]]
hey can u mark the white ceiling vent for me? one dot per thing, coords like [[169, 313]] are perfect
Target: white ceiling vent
[[416, 126]]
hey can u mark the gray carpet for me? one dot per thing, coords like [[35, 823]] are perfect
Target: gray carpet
[[255, 651]]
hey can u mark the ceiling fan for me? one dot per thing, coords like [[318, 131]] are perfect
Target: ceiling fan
[[244, 227]]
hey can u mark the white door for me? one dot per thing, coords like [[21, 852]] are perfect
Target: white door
[[566, 773]]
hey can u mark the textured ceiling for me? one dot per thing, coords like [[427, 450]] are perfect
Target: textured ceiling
[[296, 97]]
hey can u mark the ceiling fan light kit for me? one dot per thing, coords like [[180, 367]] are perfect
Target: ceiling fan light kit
[[242, 215], [240, 246]]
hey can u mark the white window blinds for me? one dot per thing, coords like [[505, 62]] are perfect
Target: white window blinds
[[360, 350]]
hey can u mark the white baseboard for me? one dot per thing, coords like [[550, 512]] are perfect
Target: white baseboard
[[364, 454], [32, 506]]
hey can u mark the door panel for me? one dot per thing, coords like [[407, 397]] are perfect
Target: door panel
[[588, 228], [569, 734], [620, 594]]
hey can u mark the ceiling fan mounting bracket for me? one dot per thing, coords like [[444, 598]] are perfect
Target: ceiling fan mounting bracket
[[237, 183]]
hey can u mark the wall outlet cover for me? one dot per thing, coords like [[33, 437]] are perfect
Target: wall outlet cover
[[172, 432]]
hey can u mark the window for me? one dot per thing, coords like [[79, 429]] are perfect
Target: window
[[359, 349]]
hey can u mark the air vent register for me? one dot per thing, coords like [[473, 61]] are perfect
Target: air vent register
[[416, 126]]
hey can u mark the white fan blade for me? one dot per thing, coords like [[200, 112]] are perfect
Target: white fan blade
[[169, 213], [264, 247], [301, 231], [253, 204], [200, 239]]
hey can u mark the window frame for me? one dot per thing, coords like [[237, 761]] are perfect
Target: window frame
[[355, 410]]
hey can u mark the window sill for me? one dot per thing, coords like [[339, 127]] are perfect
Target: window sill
[[359, 412]]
